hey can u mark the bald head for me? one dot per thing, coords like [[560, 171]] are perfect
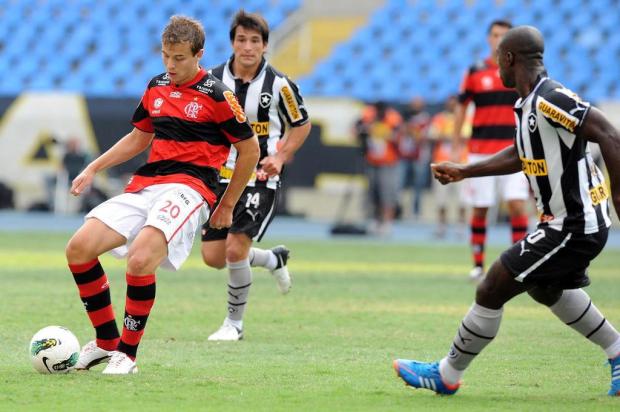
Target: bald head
[[524, 42]]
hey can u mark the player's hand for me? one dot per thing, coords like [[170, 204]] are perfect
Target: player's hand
[[447, 172], [222, 217], [82, 182], [272, 165]]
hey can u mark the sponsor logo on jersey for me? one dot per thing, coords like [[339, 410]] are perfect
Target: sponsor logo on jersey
[[260, 128], [175, 94], [158, 102], [265, 100], [291, 104], [209, 82], [236, 108], [192, 109], [203, 89], [557, 115], [534, 167], [598, 194]]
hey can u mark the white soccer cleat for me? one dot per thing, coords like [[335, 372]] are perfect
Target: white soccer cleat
[[226, 332], [120, 364], [91, 355], [280, 273], [476, 274]]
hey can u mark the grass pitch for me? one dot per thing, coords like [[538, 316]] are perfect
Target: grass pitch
[[328, 345]]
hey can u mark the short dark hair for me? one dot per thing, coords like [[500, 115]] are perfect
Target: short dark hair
[[181, 29], [501, 23], [251, 21]]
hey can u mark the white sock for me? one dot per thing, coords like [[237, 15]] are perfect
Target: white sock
[[448, 373], [263, 258], [613, 351], [236, 323]]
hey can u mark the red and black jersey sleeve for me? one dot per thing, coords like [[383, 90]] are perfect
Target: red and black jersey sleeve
[[141, 118], [230, 117]]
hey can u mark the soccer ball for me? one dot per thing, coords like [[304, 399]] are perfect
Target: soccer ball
[[54, 349]]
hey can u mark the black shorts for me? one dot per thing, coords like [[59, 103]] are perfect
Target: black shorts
[[252, 215], [549, 258]]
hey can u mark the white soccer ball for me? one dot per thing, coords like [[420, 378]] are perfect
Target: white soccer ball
[[54, 349]]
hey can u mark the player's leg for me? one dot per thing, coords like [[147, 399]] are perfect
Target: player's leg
[[575, 308], [82, 251], [214, 251], [478, 228], [515, 190], [256, 211], [476, 331], [174, 214], [239, 281]]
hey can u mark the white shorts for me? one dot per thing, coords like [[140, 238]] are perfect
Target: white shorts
[[481, 191], [175, 209]]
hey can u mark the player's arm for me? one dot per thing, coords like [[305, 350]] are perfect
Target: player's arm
[[129, 146], [291, 143], [598, 129], [503, 162], [248, 154]]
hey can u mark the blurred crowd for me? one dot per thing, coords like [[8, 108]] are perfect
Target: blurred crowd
[[398, 146]]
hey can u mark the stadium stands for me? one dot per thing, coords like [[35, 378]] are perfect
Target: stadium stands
[[422, 48], [105, 48], [407, 47]]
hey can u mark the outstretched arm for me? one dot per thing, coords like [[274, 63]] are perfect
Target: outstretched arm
[[129, 146], [596, 128], [502, 163]]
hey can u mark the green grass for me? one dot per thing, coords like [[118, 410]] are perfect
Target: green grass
[[328, 345]]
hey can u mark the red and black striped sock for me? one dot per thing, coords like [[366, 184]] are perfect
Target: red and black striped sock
[[478, 239], [519, 227], [140, 299], [94, 289]]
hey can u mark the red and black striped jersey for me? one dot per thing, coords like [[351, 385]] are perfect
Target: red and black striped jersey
[[493, 127], [194, 125]]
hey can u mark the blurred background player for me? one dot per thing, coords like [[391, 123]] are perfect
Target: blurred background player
[[272, 102], [493, 130], [551, 264], [440, 132], [189, 119]]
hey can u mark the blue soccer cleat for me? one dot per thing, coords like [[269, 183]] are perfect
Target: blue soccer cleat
[[423, 375], [614, 390]]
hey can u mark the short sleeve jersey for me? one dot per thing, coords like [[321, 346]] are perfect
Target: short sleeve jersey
[[194, 125], [493, 126], [569, 188]]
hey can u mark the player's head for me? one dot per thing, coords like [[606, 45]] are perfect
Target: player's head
[[182, 47], [521, 49], [497, 29], [249, 35]]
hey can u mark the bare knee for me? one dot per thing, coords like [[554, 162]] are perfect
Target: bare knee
[[214, 253], [545, 296], [214, 260], [78, 251], [139, 263]]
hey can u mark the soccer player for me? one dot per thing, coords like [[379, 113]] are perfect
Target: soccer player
[[272, 102], [553, 129], [493, 130], [189, 119]]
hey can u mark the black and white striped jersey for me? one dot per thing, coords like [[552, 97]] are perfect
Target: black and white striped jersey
[[570, 190], [271, 102]]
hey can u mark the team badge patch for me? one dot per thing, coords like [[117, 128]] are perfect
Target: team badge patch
[[532, 122], [265, 100]]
